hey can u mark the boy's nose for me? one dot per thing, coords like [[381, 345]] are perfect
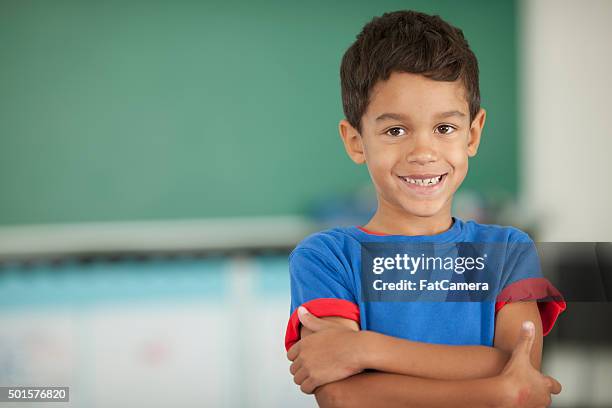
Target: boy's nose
[[423, 151]]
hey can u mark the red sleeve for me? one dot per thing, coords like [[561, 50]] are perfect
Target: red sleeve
[[535, 289], [321, 308]]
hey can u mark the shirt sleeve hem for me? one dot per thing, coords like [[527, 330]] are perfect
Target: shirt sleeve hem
[[550, 301], [321, 307]]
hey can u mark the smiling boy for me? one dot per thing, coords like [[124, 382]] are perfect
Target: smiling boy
[[412, 114]]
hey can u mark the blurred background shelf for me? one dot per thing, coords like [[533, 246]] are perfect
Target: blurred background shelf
[[215, 235]]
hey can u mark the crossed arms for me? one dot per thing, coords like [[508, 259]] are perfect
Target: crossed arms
[[343, 366]]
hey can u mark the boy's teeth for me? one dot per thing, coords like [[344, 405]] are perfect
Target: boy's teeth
[[423, 182]]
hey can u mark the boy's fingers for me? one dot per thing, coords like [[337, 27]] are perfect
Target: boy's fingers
[[294, 367], [526, 338], [307, 386], [311, 321], [300, 376], [293, 351], [553, 385]]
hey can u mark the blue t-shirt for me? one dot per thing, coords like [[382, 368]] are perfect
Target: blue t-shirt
[[325, 270]]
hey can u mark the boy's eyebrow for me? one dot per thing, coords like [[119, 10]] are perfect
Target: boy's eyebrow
[[399, 116], [394, 116], [449, 114]]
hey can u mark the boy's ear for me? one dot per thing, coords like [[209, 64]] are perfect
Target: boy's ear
[[353, 143], [476, 132]]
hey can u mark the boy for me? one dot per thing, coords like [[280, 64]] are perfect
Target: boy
[[411, 99]]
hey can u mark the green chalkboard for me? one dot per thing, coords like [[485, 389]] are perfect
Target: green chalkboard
[[134, 110]]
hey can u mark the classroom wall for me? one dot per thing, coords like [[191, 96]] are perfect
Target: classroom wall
[[566, 135]]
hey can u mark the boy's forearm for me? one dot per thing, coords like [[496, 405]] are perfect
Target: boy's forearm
[[394, 355], [375, 389]]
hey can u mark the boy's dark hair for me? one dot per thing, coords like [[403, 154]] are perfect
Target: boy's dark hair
[[405, 41]]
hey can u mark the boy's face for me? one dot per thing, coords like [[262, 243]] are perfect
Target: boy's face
[[416, 140]]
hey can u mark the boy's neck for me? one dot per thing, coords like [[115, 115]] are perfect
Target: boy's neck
[[408, 224]]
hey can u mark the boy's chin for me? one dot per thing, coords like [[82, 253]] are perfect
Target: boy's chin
[[425, 211]]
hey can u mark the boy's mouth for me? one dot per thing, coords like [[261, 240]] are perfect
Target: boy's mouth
[[425, 180]]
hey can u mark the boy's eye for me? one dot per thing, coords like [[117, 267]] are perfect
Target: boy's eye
[[396, 131], [445, 129]]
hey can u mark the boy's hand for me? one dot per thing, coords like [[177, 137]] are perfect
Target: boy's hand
[[525, 386], [329, 354]]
